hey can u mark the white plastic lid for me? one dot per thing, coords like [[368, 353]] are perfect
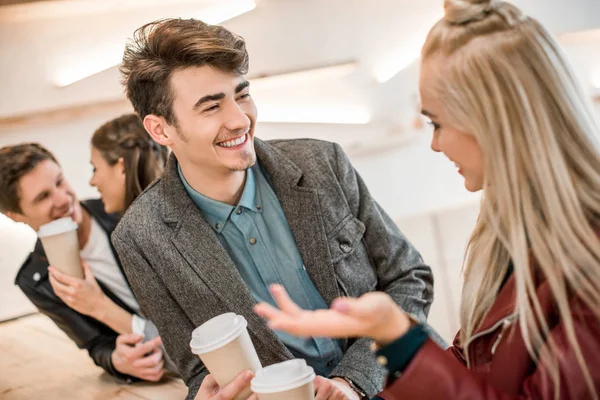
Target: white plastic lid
[[57, 227], [283, 376], [217, 332]]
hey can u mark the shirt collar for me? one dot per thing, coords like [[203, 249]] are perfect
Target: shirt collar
[[217, 213]]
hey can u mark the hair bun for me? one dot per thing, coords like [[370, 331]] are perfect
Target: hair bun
[[464, 11]]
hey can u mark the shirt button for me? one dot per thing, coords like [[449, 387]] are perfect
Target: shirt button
[[252, 240], [238, 211], [258, 207], [382, 360], [330, 363], [36, 276], [218, 226]]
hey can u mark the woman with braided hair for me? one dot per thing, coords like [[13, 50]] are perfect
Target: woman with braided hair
[[506, 109], [125, 161]]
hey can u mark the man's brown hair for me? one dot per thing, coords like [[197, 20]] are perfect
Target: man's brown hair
[[162, 47], [16, 162]]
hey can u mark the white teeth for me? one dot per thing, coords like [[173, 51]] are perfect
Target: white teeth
[[235, 142]]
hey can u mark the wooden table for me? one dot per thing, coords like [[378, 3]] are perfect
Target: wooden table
[[38, 361]]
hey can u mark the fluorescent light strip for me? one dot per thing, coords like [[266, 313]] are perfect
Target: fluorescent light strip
[[111, 54], [308, 76], [325, 114]]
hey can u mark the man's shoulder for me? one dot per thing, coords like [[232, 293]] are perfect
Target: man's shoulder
[[143, 212], [307, 152], [303, 147]]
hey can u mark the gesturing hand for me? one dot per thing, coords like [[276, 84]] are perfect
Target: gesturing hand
[[373, 315]]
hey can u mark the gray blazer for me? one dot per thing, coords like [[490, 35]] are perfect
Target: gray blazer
[[182, 275]]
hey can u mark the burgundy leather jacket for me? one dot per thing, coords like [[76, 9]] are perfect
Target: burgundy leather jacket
[[499, 366]]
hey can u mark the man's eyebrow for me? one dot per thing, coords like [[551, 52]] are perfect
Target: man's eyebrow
[[241, 86], [40, 196], [207, 98], [220, 96]]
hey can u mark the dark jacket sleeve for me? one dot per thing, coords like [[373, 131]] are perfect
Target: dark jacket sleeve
[[400, 270], [87, 333], [437, 374]]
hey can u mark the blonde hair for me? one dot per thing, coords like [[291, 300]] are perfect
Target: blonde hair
[[506, 82]]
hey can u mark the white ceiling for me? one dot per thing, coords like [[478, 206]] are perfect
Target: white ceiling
[[38, 39]]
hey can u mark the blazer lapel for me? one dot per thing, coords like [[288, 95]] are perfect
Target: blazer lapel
[[202, 251], [302, 210]]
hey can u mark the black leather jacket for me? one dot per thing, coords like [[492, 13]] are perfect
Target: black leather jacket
[[88, 333]]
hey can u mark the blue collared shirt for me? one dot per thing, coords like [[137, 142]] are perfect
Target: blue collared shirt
[[258, 239]]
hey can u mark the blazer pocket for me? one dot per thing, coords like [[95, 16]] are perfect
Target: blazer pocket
[[344, 239]]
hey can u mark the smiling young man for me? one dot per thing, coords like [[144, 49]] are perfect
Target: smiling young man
[[233, 214], [98, 315]]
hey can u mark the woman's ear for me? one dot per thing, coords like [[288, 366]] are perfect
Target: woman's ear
[[121, 164]]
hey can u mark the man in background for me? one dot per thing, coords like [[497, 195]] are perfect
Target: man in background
[[34, 191]]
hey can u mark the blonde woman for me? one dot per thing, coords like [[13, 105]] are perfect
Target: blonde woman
[[506, 109]]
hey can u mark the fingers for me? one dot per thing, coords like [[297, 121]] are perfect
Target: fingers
[[65, 293], [64, 278], [365, 307], [241, 382], [129, 339], [87, 271], [327, 389], [145, 360], [324, 389], [60, 289], [155, 370], [209, 385], [150, 361], [283, 300], [153, 376], [343, 390], [140, 350], [318, 381], [157, 341], [267, 311]]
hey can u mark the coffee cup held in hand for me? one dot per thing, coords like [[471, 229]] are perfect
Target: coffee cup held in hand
[[290, 380], [224, 346], [61, 245]]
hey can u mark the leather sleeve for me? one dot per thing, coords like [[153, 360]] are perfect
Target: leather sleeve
[[437, 374], [87, 333]]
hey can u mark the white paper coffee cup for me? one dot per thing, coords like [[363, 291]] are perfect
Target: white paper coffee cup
[[61, 245], [224, 346], [289, 380]]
